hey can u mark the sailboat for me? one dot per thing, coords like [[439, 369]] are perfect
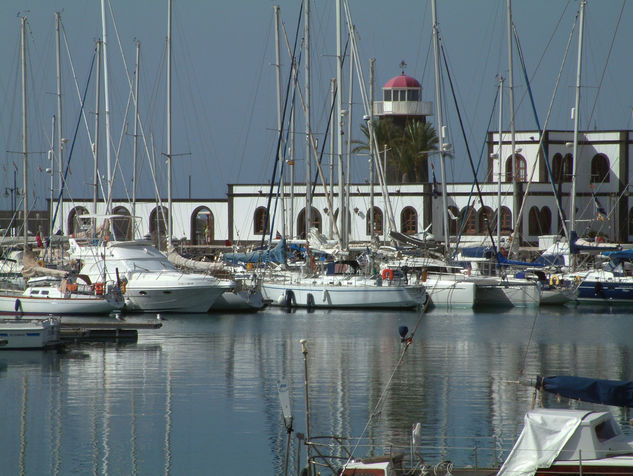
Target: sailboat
[[58, 291], [336, 285], [149, 281]]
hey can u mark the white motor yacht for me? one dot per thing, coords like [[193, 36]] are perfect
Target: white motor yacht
[[150, 283]]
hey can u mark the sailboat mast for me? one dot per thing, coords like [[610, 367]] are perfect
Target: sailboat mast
[[279, 124], [499, 161], [106, 93], [308, 125], [25, 194], [372, 217], [95, 170], [574, 166], [60, 143], [342, 213], [440, 126], [136, 119], [332, 148], [169, 165], [514, 168]]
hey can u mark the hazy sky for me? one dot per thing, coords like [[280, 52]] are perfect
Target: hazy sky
[[224, 91]]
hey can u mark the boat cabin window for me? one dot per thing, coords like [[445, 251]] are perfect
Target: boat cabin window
[[35, 291], [605, 431]]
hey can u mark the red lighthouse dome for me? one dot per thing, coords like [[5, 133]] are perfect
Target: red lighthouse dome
[[402, 81]]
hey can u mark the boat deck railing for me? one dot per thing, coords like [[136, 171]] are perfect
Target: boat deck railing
[[475, 457]]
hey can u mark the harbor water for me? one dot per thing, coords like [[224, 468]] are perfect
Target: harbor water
[[200, 394]]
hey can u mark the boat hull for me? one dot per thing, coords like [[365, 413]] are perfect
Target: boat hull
[[141, 296], [508, 294], [447, 293], [43, 306], [342, 296], [29, 333], [239, 301], [612, 291]]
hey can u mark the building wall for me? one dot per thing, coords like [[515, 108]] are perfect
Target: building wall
[[234, 217]]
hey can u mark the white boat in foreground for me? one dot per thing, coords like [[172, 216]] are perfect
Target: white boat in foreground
[[60, 298], [22, 333]]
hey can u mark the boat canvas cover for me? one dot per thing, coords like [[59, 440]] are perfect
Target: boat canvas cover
[[606, 392], [545, 433], [276, 255]]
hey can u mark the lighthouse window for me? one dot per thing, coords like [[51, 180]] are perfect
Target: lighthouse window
[[413, 95], [387, 94]]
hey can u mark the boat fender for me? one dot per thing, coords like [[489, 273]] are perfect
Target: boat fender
[[325, 295], [387, 274], [290, 299], [554, 281], [18, 305], [577, 280], [123, 287], [600, 239], [310, 302], [425, 301]]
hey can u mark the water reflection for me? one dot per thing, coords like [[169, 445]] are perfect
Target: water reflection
[[202, 390]]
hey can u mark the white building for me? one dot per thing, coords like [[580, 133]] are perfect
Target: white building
[[603, 178]]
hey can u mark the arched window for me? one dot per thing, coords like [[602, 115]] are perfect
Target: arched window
[[409, 221], [377, 221], [122, 224], [520, 168], [599, 169], [74, 225], [202, 226], [315, 221], [158, 224], [453, 218], [485, 220], [568, 167], [468, 221], [506, 220], [261, 225], [534, 219], [546, 221], [557, 168]]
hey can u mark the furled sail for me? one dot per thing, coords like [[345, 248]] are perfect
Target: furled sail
[[607, 392], [203, 266], [32, 267]]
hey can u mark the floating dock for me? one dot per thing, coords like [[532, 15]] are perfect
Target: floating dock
[[72, 332]]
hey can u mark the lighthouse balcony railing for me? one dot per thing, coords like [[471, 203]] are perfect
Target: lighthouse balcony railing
[[409, 108]]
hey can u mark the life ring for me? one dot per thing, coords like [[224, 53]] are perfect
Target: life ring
[[99, 289], [387, 274], [554, 281], [600, 239]]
